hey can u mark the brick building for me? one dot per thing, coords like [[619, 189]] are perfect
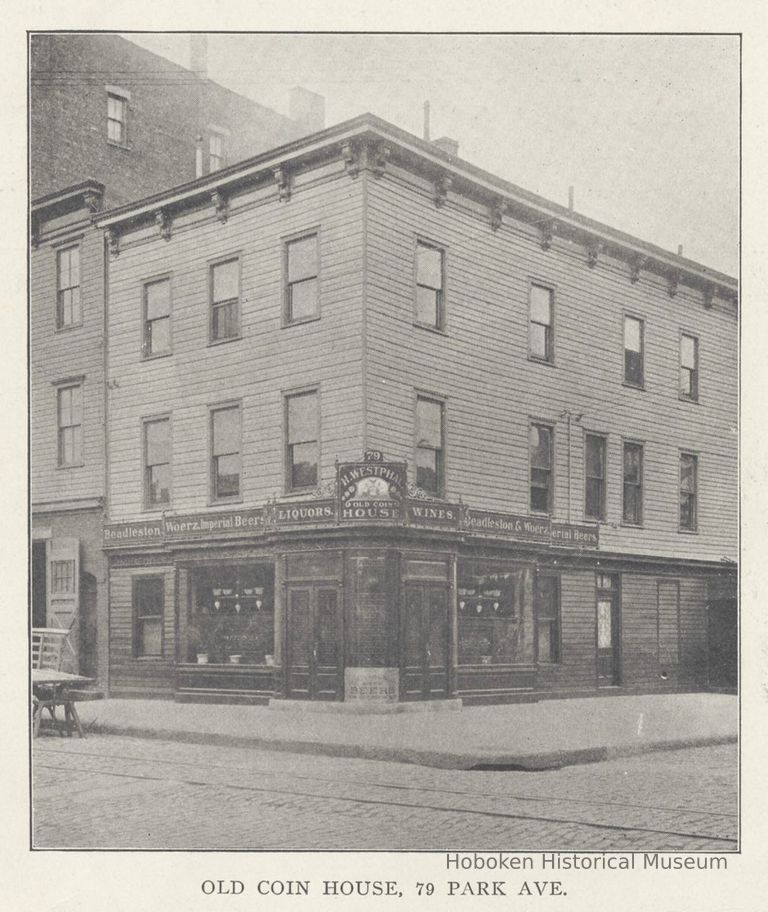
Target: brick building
[[381, 425], [109, 123]]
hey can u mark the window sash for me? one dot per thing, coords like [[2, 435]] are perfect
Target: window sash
[[148, 612], [226, 464], [116, 117], [303, 464], [215, 152], [633, 351], [632, 507], [540, 305], [430, 418], [225, 299], [688, 491], [68, 309], [70, 428], [302, 418], [548, 619], [689, 366], [595, 477], [430, 266], [62, 577], [540, 448]]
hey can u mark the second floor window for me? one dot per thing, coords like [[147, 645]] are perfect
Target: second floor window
[[70, 425], [157, 317], [225, 452], [688, 510], [68, 312], [216, 155], [541, 335], [429, 445], [594, 507], [633, 484], [301, 293], [225, 300], [157, 462], [634, 373], [689, 367], [540, 445], [302, 440], [429, 286], [117, 117]]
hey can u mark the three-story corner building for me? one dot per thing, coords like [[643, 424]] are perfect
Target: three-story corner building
[[381, 425]]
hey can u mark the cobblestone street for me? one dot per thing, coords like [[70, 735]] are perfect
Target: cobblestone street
[[119, 792]]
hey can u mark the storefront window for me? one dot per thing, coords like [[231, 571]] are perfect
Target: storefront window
[[232, 615], [494, 610]]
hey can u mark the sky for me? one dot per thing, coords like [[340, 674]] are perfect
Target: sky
[[645, 128]]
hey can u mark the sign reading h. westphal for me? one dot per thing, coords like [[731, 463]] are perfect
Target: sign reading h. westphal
[[371, 490]]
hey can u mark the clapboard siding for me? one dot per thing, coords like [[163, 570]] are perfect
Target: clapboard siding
[[258, 368], [694, 659], [56, 355], [127, 672], [492, 390], [576, 668]]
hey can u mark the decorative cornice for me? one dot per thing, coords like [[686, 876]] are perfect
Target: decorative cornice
[[636, 263], [380, 153], [547, 229], [673, 280], [708, 296], [113, 241], [441, 187], [282, 181], [496, 214], [594, 249], [351, 155], [163, 222], [220, 205]]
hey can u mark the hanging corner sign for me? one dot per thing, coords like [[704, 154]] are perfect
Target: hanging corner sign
[[372, 489]]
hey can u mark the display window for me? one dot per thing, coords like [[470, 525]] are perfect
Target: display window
[[232, 615]]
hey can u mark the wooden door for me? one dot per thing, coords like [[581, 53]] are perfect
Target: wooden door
[[608, 633], [425, 642], [313, 654]]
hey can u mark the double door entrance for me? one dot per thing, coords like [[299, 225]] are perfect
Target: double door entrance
[[314, 658], [425, 641]]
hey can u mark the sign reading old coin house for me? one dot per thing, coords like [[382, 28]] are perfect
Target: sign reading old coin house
[[371, 490]]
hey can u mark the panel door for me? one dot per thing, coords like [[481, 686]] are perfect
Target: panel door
[[425, 642], [607, 639], [313, 654]]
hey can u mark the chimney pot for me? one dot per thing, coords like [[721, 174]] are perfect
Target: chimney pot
[[446, 144]]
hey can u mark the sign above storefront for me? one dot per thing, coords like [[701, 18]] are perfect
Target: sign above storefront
[[371, 490], [509, 525], [570, 536]]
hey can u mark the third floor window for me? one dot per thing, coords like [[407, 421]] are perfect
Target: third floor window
[[157, 317], [68, 310], [429, 286], [689, 367], [634, 374], [302, 301], [540, 330], [225, 300]]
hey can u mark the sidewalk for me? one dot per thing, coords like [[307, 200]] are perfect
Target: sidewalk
[[543, 735]]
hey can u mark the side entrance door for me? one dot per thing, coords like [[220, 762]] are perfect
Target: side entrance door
[[425, 652], [314, 643], [608, 630]]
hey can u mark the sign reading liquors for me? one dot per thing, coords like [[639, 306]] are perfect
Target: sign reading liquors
[[371, 490], [305, 511]]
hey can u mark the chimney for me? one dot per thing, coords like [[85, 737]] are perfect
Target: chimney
[[446, 144], [198, 54], [307, 109]]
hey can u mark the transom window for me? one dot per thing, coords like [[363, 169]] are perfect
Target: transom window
[[62, 577], [541, 334], [688, 506], [148, 607], [540, 444], [429, 445], [216, 155], [302, 444], [634, 373], [302, 298], [157, 462], [68, 310], [70, 424], [157, 317], [117, 116], [225, 299], [429, 285], [225, 452], [594, 507], [689, 367], [633, 484]]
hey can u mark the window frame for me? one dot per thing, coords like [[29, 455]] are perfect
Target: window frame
[[65, 248], [287, 395], [136, 618], [233, 257], [286, 242], [597, 435], [694, 527], [695, 372], [539, 423], [640, 485], [124, 98], [213, 497], [60, 387], [146, 354], [147, 504], [220, 159], [441, 325], [558, 644], [549, 335], [641, 320], [440, 461]]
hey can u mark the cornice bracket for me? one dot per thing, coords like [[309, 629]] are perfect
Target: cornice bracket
[[708, 296], [283, 183], [380, 156], [547, 230], [442, 185], [113, 241], [496, 214], [635, 265], [92, 200], [673, 280], [594, 249], [351, 156], [163, 222], [220, 205]]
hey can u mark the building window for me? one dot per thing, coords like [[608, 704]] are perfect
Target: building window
[[68, 310], [688, 511], [429, 286], [302, 440], [70, 425], [541, 336], [225, 452], [157, 462], [225, 299], [157, 317], [633, 351], [633, 484], [117, 118], [216, 157], [594, 506], [430, 445], [548, 619], [302, 268], [148, 606], [689, 367], [62, 577], [540, 444]]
